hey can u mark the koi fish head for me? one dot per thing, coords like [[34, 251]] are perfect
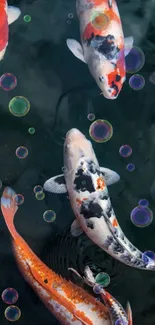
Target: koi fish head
[[76, 147], [109, 75]]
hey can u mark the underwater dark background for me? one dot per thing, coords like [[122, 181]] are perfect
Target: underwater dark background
[[62, 92]]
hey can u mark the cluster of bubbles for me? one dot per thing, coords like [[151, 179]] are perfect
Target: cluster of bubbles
[[142, 216], [10, 296], [135, 61], [70, 16], [126, 151], [39, 193], [8, 81], [48, 215], [101, 131]]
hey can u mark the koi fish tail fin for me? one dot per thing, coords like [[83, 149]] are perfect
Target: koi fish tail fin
[[9, 209]]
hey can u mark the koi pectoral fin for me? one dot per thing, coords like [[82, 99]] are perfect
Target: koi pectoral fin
[[110, 177], [129, 313], [76, 48], [76, 229], [13, 14], [128, 44], [56, 184]]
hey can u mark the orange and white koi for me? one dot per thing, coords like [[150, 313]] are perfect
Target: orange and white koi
[[86, 183], [70, 304], [8, 14], [103, 47]]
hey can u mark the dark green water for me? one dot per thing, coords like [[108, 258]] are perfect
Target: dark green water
[[62, 93]]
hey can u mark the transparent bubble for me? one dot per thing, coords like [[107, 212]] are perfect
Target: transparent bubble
[[125, 151], [97, 288], [137, 82], [130, 167], [38, 188], [135, 60], [148, 255], [10, 296], [21, 152], [100, 20], [102, 279], [143, 202], [8, 81], [49, 216], [70, 15], [152, 78], [141, 216], [101, 131], [91, 117], [18, 199], [31, 130], [64, 169], [68, 22], [40, 195], [12, 313], [19, 106], [27, 18]]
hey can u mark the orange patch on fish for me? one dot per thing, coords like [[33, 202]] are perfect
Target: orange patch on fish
[[115, 223], [100, 184], [78, 201]]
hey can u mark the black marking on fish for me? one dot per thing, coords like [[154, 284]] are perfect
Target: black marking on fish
[[117, 248], [109, 211], [83, 182], [93, 168], [104, 45], [118, 77], [60, 180], [90, 224], [110, 3], [108, 242], [114, 86], [90, 209]]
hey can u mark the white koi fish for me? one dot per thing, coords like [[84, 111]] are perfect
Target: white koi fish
[[8, 14], [103, 47], [86, 183]]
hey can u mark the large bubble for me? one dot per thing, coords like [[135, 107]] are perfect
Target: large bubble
[[137, 82], [101, 131], [10, 296], [141, 216], [135, 60], [19, 106]]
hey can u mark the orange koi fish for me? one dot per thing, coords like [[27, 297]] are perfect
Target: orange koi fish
[[103, 47], [8, 14], [70, 304]]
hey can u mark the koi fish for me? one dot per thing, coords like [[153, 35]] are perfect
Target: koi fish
[[117, 313], [103, 47], [70, 304], [8, 14], [86, 183]]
